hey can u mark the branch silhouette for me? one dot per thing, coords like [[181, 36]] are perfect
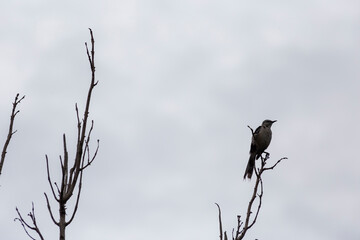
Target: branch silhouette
[[243, 226], [33, 226], [72, 177], [14, 112]]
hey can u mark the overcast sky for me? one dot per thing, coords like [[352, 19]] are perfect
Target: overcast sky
[[179, 81]]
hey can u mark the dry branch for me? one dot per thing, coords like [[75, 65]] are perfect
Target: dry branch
[[14, 112], [73, 177], [33, 226], [220, 223], [257, 193]]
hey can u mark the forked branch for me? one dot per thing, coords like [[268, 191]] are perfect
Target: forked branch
[[14, 112], [72, 173], [257, 193], [31, 226]]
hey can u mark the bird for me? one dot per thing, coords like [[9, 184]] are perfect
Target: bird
[[260, 141]]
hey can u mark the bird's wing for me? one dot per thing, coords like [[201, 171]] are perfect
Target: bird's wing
[[253, 146], [257, 131]]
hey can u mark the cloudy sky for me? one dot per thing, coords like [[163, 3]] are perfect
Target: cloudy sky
[[179, 81]]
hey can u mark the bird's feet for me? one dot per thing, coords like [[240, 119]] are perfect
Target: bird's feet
[[267, 155]]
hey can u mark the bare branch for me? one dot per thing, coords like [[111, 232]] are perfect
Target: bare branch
[[64, 168], [70, 178], [252, 131], [49, 179], [25, 225], [78, 121], [272, 167], [14, 112], [248, 213], [77, 200], [258, 182], [80, 145], [220, 223], [260, 202], [61, 163], [50, 211], [257, 193], [239, 224], [93, 158], [88, 54], [57, 187], [86, 148]]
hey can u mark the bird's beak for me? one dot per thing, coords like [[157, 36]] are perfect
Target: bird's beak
[[274, 121]]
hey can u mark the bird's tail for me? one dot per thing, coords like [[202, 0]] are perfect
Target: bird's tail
[[250, 166]]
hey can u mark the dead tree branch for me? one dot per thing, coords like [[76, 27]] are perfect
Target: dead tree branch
[[14, 112], [257, 193], [33, 226], [252, 130], [72, 177], [220, 223]]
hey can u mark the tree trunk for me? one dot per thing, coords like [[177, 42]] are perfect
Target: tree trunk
[[62, 222]]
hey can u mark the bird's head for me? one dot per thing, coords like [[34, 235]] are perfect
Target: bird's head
[[268, 123]]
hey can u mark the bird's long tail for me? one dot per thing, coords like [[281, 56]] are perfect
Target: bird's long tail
[[250, 166]]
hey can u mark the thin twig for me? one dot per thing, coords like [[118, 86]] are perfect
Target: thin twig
[[73, 177], [220, 223], [65, 167], [93, 157], [260, 202], [77, 200], [25, 225], [272, 167], [14, 112], [50, 211], [49, 179], [252, 131], [239, 224]]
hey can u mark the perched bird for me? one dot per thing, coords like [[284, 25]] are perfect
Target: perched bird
[[260, 141]]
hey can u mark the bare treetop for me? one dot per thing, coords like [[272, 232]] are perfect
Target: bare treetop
[[71, 173]]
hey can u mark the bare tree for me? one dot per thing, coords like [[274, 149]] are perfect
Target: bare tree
[[14, 112], [242, 227], [71, 177]]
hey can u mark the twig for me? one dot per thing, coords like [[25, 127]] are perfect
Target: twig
[[14, 112], [220, 223], [50, 211], [49, 179], [272, 167], [258, 182], [25, 225], [252, 131], [239, 224], [77, 200], [260, 202], [248, 213], [257, 193]]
